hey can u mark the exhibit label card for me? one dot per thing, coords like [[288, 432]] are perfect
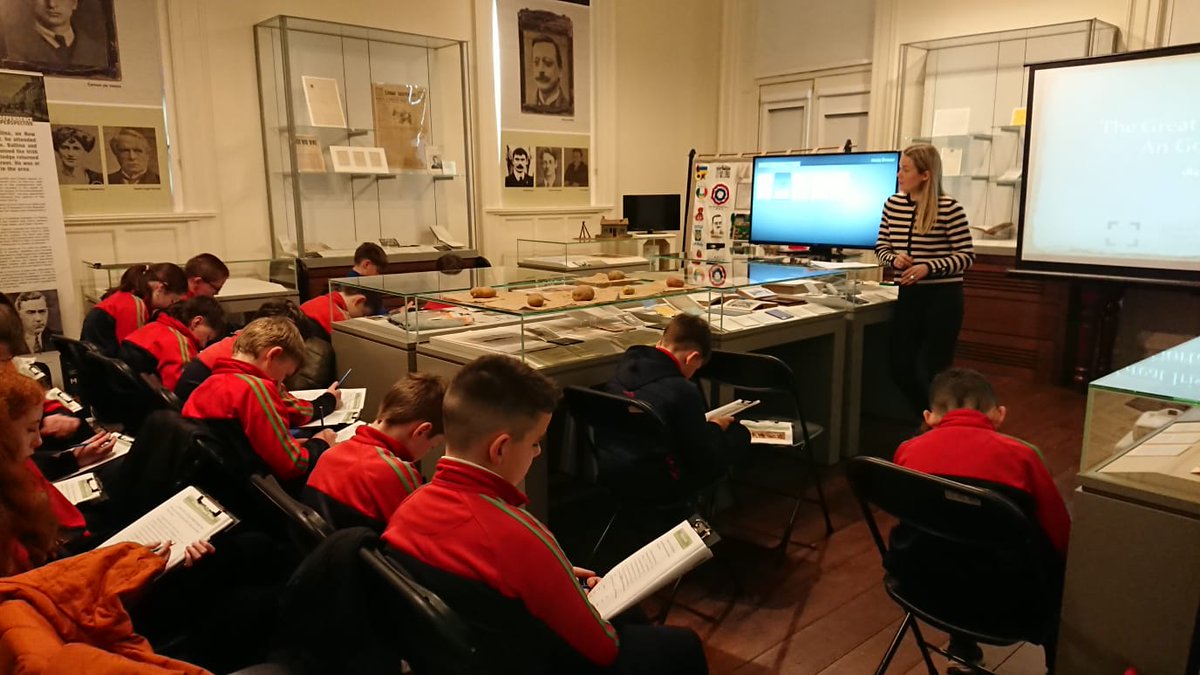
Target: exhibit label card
[[323, 101]]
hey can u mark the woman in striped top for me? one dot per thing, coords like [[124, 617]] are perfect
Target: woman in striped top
[[924, 237]]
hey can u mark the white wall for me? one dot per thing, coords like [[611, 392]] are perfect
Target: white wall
[[898, 22], [796, 37]]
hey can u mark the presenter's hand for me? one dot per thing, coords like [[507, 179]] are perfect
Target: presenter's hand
[[903, 261], [914, 274], [60, 426], [337, 394], [95, 448]]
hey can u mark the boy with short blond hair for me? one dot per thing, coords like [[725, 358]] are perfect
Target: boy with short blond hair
[[468, 528], [248, 388], [375, 470]]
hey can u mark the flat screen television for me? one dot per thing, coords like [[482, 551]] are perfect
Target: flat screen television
[[823, 201], [650, 213]]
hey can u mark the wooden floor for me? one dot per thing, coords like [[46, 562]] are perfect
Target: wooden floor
[[823, 608]]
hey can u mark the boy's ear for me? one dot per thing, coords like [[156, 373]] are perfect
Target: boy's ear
[[423, 430], [997, 415], [931, 418], [273, 353], [497, 448]]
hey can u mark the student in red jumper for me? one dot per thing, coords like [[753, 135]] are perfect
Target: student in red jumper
[[963, 444], [166, 345], [247, 388], [143, 289], [467, 530], [339, 305], [370, 474], [206, 274]]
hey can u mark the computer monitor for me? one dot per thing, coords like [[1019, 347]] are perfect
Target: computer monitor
[[648, 213], [823, 201]]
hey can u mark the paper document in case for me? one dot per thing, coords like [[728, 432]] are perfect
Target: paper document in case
[[188, 517], [324, 101], [79, 489], [443, 235], [657, 564], [730, 409], [347, 411]]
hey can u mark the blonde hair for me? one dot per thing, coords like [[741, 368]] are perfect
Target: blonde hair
[[926, 157], [272, 331]]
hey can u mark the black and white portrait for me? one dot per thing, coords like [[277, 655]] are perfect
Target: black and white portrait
[[132, 156], [23, 96], [74, 38], [576, 172], [76, 154], [40, 318], [549, 167], [520, 168], [547, 63]]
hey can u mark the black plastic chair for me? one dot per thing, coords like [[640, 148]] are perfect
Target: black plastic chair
[[119, 396], [770, 380], [70, 356], [306, 528], [964, 559], [338, 515], [437, 640], [605, 421]]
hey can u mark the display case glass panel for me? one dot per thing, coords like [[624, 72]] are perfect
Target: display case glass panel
[[366, 136]]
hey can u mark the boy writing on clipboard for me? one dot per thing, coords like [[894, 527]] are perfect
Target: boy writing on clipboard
[[466, 536]]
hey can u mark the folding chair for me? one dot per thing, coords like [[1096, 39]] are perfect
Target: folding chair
[[306, 528], [964, 559], [117, 395], [338, 515], [70, 355], [769, 379], [437, 640]]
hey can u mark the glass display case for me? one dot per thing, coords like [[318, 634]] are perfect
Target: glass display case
[[1143, 428], [366, 137], [550, 323], [750, 293], [966, 95], [580, 255], [250, 283]]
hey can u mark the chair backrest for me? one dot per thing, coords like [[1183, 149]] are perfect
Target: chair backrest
[[338, 515], [614, 430], [943, 508], [437, 640], [122, 396], [70, 355], [306, 528], [756, 376]]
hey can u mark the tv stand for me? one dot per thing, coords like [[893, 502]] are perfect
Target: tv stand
[[826, 254]]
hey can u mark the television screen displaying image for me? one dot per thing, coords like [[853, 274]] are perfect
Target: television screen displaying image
[[828, 201], [652, 213]]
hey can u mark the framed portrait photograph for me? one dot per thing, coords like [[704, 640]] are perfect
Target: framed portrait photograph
[[132, 156], [518, 171], [548, 167], [547, 55], [77, 154], [66, 38], [575, 170], [40, 318]]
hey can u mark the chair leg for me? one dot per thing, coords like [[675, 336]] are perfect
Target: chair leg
[[891, 651], [596, 548], [816, 472], [924, 649]]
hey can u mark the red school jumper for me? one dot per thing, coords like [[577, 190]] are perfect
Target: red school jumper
[[370, 473], [326, 310], [468, 522], [170, 343]]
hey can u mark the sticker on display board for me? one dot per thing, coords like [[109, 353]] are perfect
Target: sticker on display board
[[697, 233], [720, 194], [701, 171], [701, 192], [716, 275], [716, 228], [700, 214], [699, 254], [714, 247], [699, 276], [724, 171]]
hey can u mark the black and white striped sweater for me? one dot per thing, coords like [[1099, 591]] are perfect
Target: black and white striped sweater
[[946, 249]]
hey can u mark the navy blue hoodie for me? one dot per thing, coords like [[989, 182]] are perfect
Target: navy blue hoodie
[[701, 451]]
